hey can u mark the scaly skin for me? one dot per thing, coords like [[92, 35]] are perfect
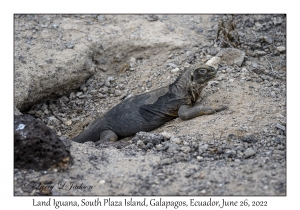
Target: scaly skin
[[150, 110]]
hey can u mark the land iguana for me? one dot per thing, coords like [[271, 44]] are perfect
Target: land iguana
[[152, 109]]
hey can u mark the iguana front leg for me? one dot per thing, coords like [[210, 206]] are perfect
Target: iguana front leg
[[186, 112]]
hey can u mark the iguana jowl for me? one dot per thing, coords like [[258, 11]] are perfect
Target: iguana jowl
[[150, 110]]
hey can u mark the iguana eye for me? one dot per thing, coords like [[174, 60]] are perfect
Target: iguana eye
[[202, 71]]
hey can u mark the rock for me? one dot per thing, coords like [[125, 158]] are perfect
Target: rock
[[70, 45], [118, 93], [280, 127], [230, 153], [152, 17], [140, 144], [55, 25], [185, 149], [260, 53], [176, 140], [128, 96], [199, 30], [187, 65], [79, 94], [16, 111], [214, 62], [192, 27], [249, 138], [103, 90], [149, 84], [172, 148], [213, 83], [166, 161], [254, 65], [53, 120], [93, 92], [148, 146], [102, 182], [170, 56], [172, 65], [101, 18], [110, 80], [258, 24], [173, 71], [22, 59], [232, 56], [68, 123], [273, 94], [199, 158], [166, 135], [280, 48], [194, 146], [111, 91], [64, 99], [213, 51], [72, 96], [249, 23], [265, 77], [267, 39], [158, 146], [198, 175], [132, 61], [241, 34], [244, 70], [277, 20], [36, 146], [153, 138], [249, 152], [190, 56], [202, 148]]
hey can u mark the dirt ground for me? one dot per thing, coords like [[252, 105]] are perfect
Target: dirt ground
[[239, 151]]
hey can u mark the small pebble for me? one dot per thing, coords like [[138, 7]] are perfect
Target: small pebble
[[101, 18], [140, 144], [173, 71], [176, 140], [172, 65], [185, 149], [68, 123], [249, 152], [101, 181], [187, 65], [70, 46], [199, 158], [79, 94], [158, 146], [281, 49], [166, 135], [152, 17]]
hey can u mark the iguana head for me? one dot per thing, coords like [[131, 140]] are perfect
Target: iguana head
[[199, 77], [202, 74], [192, 81]]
